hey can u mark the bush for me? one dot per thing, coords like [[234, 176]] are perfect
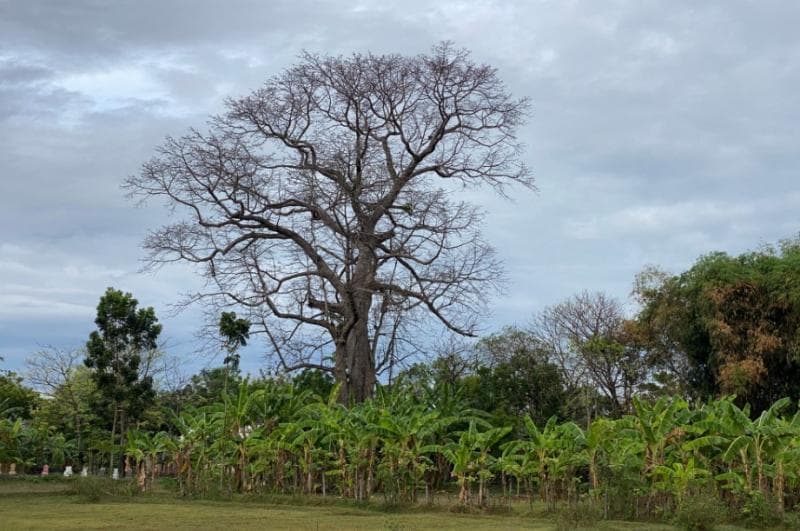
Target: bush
[[93, 489], [760, 511], [700, 513], [89, 489], [578, 516]]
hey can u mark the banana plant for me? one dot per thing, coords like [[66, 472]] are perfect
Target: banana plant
[[543, 445], [659, 425], [520, 465], [758, 439], [234, 419], [145, 448], [593, 452], [785, 455], [678, 478], [471, 460], [11, 433]]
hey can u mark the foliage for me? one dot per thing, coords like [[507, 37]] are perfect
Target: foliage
[[506, 374], [318, 382], [597, 351], [272, 437], [114, 351], [735, 319], [16, 400], [236, 332], [654, 463]]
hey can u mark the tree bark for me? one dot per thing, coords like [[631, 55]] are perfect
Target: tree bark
[[355, 366]]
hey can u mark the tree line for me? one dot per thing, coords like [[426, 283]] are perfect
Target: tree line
[[685, 397]]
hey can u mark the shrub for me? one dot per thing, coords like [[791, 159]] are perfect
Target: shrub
[[89, 489], [578, 516], [760, 511], [93, 489], [700, 513]]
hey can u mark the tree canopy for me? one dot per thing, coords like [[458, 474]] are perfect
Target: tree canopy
[[115, 353], [321, 204], [16, 400], [736, 319]]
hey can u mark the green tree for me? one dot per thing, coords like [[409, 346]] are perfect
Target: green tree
[[114, 352], [16, 400], [520, 386], [733, 320], [69, 410], [318, 382], [61, 375], [506, 373], [235, 332]]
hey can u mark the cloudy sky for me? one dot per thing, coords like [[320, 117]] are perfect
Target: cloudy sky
[[661, 130]]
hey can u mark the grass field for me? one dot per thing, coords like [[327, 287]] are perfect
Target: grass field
[[32, 504]]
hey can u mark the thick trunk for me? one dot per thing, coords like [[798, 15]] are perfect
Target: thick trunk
[[355, 367], [361, 385], [355, 373]]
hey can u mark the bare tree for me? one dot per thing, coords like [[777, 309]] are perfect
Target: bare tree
[[586, 335], [320, 203], [51, 367], [454, 357]]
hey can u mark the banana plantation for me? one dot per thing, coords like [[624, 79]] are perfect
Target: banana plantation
[[406, 447]]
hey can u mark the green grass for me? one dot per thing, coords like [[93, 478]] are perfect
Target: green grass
[[50, 504]]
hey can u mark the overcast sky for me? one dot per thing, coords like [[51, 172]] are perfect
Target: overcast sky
[[661, 130]]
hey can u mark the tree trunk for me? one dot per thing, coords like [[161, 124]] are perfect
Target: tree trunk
[[79, 434], [123, 440], [113, 437], [355, 367], [779, 486], [309, 472], [362, 372], [463, 494]]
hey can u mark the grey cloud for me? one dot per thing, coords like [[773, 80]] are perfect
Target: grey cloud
[[16, 73], [661, 130]]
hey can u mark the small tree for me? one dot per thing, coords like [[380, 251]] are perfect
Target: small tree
[[60, 374], [114, 352], [235, 332]]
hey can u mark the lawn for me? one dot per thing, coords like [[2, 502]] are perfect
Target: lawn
[[27, 504]]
